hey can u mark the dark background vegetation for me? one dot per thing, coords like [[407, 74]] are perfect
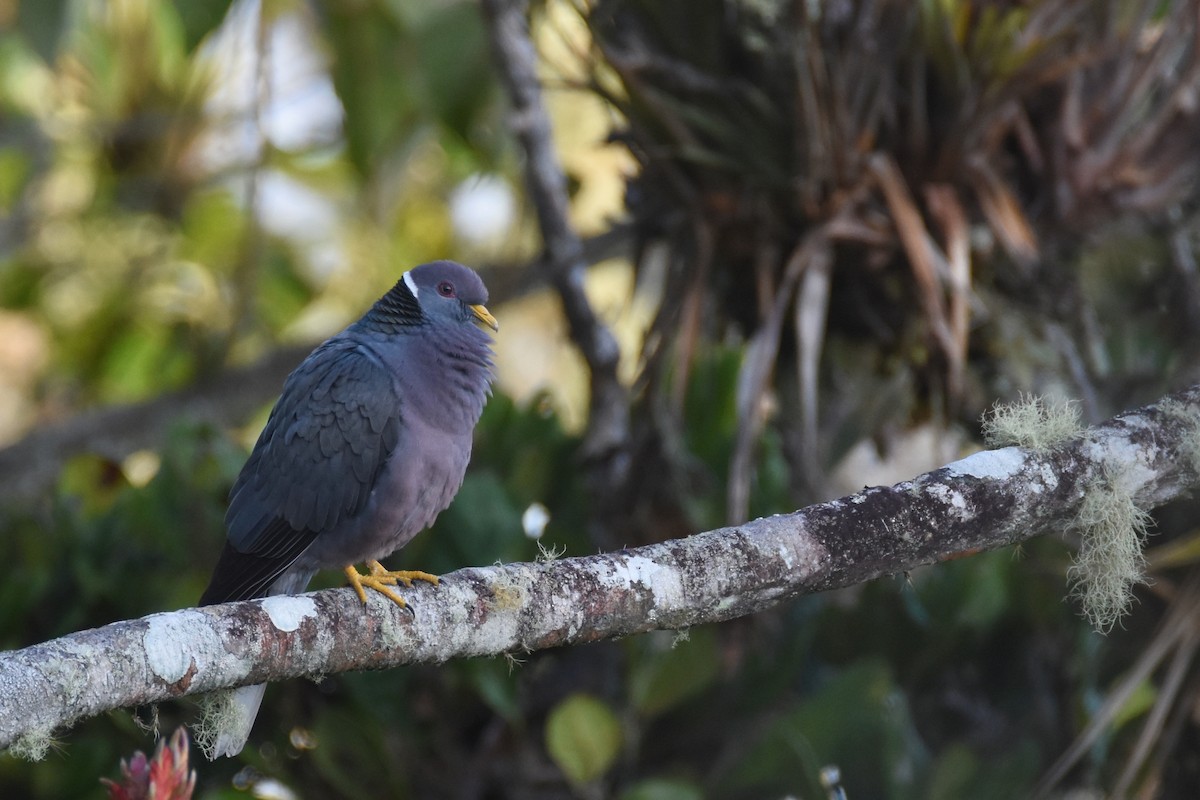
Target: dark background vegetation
[[856, 224]]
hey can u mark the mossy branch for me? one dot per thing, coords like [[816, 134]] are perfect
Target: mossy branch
[[986, 501]]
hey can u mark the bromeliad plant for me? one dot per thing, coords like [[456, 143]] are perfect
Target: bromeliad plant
[[163, 777], [859, 189]]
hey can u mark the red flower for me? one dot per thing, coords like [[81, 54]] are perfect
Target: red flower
[[164, 777]]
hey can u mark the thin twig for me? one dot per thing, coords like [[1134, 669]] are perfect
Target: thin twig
[[605, 443]]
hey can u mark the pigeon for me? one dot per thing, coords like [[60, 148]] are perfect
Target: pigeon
[[367, 444]]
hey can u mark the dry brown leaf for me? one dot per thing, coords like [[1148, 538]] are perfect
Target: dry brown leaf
[[1003, 212]]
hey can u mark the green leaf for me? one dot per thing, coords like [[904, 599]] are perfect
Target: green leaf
[[986, 597], [1139, 702], [282, 291], [481, 526], [673, 669], [493, 680], [214, 230], [455, 66], [140, 360], [583, 737], [373, 73]]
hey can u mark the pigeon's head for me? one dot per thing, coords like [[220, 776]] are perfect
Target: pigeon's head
[[450, 293]]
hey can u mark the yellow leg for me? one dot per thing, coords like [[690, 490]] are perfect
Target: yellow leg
[[381, 578]]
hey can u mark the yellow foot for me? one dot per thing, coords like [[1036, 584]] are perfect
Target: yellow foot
[[381, 578]]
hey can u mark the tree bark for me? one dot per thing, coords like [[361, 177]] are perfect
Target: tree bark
[[985, 501]]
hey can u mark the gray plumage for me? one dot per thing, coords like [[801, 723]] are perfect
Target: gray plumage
[[367, 444]]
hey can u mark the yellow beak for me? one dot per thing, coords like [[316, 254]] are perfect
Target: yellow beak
[[485, 316]]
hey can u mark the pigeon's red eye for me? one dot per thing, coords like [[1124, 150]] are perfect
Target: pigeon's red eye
[[446, 289]]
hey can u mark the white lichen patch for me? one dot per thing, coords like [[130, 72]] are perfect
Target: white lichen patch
[[997, 465], [788, 538], [1133, 473], [947, 496], [628, 570], [666, 584], [1049, 480], [1032, 422], [564, 612], [1189, 416], [807, 554], [172, 640], [288, 611]]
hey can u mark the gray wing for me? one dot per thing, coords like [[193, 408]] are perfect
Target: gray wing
[[314, 466]]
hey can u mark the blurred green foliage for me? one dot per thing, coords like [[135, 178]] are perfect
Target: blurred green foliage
[[583, 737], [127, 171]]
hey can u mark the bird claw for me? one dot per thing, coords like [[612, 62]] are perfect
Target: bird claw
[[382, 579]]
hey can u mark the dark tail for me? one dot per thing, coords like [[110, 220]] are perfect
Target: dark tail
[[244, 576]]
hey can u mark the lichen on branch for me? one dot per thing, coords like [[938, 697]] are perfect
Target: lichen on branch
[[985, 501]]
